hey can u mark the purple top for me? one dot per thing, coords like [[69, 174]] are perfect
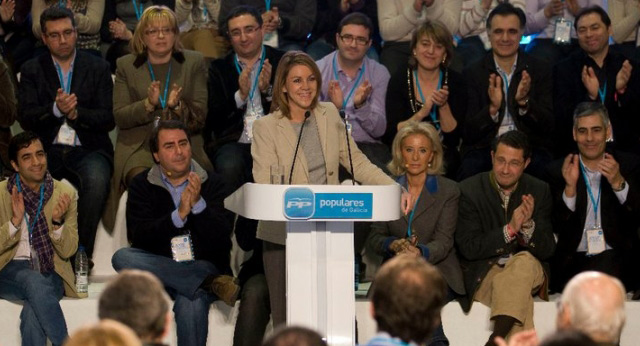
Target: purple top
[[369, 121]]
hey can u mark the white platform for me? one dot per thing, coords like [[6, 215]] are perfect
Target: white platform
[[461, 329]]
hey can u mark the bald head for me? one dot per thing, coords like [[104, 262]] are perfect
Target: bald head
[[593, 303]]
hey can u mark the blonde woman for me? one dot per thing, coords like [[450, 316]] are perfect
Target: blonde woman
[[159, 80]]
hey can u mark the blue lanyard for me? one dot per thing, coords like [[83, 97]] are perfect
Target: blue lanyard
[[66, 88], [595, 202], [255, 81], [205, 12], [138, 9], [62, 3], [505, 79], [434, 109], [267, 4], [386, 341], [355, 85], [35, 217], [411, 217], [603, 92], [163, 100]]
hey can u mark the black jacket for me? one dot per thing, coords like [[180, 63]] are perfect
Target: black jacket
[[479, 129], [569, 91], [225, 121], [150, 227], [91, 83]]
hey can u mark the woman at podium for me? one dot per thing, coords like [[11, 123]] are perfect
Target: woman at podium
[[306, 140], [428, 229]]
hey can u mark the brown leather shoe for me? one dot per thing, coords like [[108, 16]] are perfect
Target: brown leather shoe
[[226, 288]]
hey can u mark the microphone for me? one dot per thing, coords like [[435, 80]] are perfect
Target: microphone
[[343, 115], [307, 114]]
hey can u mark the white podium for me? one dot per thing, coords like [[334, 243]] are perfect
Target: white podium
[[319, 246]]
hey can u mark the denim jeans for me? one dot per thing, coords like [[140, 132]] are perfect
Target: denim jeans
[[182, 281], [90, 173], [41, 315], [234, 163]]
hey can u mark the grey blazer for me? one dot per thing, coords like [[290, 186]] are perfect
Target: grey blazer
[[434, 223], [274, 142]]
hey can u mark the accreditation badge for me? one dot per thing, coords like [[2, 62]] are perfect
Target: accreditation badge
[[182, 248], [249, 118], [562, 34], [595, 240], [66, 135]]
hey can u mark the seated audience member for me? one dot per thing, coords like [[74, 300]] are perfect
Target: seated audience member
[[357, 86], [324, 147], [16, 37], [65, 97], [504, 235], [104, 333], [429, 91], [507, 90], [399, 18], [137, 299], [595, 191], [474, 39], [328, 15], [240, 91], [625, 16], [87, 15], [286, 23], [428, 229], [199, 25], [158, 80], [119, 22], [180, 231], [552, 22], [597, 73], [593, 303], [295, 336], [8, 114], [38, 217], [407, 297]]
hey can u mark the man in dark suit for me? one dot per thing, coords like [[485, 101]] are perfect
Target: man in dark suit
[[597, 73], [66, 98], [239, 93], [508, 90], [504, 235], [597, 197]]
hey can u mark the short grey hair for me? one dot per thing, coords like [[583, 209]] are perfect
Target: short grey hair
[[585, 109], [593, 309]]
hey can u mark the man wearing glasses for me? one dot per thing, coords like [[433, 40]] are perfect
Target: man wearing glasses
[[357, 86], [240, 92], [66, 98]]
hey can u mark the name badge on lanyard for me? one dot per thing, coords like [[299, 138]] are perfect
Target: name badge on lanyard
[[562, 34], [254, 112], [595, 240], [66, 134], [182, 248]]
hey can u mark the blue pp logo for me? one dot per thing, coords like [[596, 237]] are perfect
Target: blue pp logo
[[299, 203]]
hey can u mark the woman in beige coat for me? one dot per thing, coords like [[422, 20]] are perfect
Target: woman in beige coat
[[322, 149], [158, 81]]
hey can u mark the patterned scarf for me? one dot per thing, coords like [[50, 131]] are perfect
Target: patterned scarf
[[39, 229]]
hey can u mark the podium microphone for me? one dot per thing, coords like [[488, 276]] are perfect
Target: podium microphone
[[346, 135], [307, 114]]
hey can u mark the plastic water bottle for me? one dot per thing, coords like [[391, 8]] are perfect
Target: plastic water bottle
[[82, 271]]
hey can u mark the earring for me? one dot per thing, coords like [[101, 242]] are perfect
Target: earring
[[429, 165], [414, 53]]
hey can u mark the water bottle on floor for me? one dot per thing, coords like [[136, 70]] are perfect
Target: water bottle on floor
[[82, 271]]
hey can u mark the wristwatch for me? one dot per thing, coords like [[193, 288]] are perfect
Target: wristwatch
[[620, 187]]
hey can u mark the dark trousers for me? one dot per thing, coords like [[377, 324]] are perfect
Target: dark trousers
[[90, 173]]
